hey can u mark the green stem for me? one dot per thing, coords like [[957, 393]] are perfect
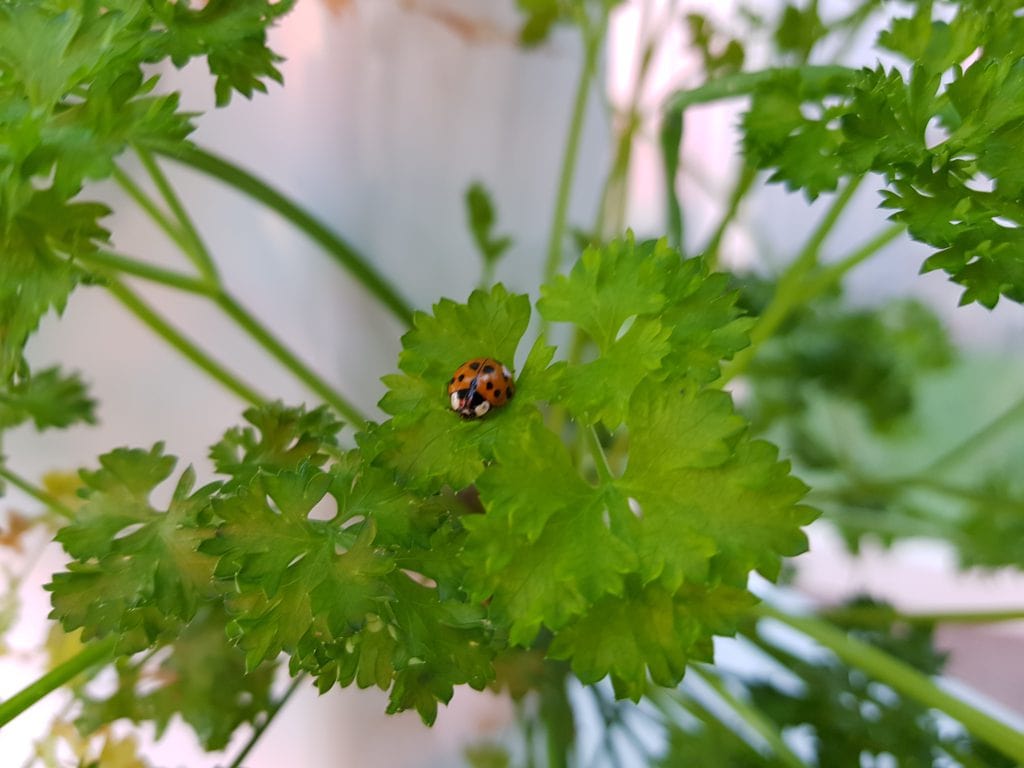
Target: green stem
[[884, 616], [37, 493], [150, 272], [177, 340], [342, 252], [600, 460], [592, 38], [195, 249], [287, 358], [744, 83], [831, 274], [96, 653], [791, 289], [979, 439], [744, 181], [241, 316], [144, 201], [906, 680], [753, 717], [262, 727]]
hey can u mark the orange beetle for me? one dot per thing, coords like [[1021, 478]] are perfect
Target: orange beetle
[[478, 386]]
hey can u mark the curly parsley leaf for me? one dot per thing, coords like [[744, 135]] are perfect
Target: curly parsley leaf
[[189, 683], [280, 438], [49, 399], [335, 597], [136, 571]]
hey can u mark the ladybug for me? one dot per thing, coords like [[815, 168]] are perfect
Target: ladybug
[[478, 386]]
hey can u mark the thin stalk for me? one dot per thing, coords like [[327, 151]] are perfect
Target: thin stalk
[[744, 83], [831, 274], [744, 181], [196, 251], [883, 616], [144, 201], [288, 359], [37, 493], [906, 680], [600, 460], [241, 316], [592, 39], [98, 653], [753, 717], [262, 727], [959, 452], [150, 272], [789, 292], [176, 339], [341, 251]]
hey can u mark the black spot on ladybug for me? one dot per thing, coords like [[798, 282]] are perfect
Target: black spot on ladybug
[[488, 369], [474, 366], [511, 394], [462, 376], [490, 385], [497, 393], [451, 381]]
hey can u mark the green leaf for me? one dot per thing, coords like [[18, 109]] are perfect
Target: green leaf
[[331, 594], [136, 571], [606, 287], [425, 441], [545, 551], [711, 502], [280, 438], [649, 631], [480, 212], [48, 399]]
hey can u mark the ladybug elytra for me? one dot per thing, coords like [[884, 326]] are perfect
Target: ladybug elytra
[[478, 386]]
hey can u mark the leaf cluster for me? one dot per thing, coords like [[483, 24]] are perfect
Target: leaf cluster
[[77, 89], [940, 130]]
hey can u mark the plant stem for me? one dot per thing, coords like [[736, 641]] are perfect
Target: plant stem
[[287, 358], [177, 340], [195, 249], [745, 83], [37, 493], [150, 272], [831, 274], [262, 727], [753, 717], [600, 460], [241, 316], [883, 616], [744, 181], [987, 433], [342, 252], [906, 680], [143, 200], [96, 653], [790, 291], [592, 39]]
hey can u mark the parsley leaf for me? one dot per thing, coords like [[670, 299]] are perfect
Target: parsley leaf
[[284, 438], [480, 211], [48, 399], [135, 570]]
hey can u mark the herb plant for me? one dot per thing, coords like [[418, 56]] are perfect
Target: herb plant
[[603, 525]]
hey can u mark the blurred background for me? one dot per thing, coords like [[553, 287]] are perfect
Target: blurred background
[[391, 109]]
